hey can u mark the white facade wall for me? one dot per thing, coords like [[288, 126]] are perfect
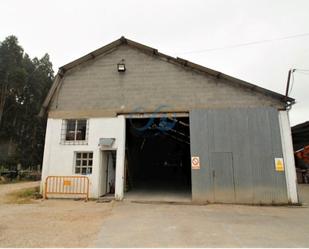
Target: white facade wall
[[59, 158]]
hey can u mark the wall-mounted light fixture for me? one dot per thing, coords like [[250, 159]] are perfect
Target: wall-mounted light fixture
[[121, 66]]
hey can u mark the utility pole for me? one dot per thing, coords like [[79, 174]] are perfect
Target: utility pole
[[288, 82]]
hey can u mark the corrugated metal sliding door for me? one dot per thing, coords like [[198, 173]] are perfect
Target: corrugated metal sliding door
[[237, 150], [223, 177]]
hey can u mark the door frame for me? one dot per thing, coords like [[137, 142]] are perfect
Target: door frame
[[101, 170], [142, 115]]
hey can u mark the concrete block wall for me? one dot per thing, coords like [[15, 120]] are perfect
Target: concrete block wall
[[148, 83]]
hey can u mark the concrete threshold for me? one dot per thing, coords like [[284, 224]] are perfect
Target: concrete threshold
[[162, 202], [192, 203]]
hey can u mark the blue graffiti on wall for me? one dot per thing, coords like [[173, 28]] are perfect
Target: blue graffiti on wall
[[166, 121]]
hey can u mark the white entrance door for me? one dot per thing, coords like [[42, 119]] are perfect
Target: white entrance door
[[108, 172]]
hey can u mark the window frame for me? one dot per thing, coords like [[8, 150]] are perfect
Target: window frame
[[81, 166], [64, 128]]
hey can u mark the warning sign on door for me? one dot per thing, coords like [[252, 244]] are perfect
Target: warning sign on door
[[279, 164], [195, 162]]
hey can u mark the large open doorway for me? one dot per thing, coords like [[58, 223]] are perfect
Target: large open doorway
[[158, 164]]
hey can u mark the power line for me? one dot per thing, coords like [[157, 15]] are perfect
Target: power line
[[246, 44], [304, 70]]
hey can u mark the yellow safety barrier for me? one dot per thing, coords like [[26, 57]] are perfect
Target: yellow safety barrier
[[67, 185]]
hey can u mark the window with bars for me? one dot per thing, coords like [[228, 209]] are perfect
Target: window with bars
[[83, 163], [74, 131]]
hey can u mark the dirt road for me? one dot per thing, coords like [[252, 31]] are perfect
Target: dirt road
[[8, 188], [153, 225], [51, 223], [68, 223]]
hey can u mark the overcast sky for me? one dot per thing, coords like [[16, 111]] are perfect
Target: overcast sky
[[67, 30]]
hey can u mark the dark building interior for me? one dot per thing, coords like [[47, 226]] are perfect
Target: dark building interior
[[158, 157]]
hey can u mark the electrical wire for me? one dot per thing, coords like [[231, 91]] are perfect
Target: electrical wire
[[302, 70], [245, 44], [303, 73]]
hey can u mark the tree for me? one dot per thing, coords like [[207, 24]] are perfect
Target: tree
[[12, 74], [24, 85]]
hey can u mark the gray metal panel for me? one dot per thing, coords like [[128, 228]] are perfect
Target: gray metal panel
[[240, 143], [202, 183], [261, 156], [252, 136], [221, 129], [222, 168]]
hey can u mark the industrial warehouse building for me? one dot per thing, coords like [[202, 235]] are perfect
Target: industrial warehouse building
[[134, 120]]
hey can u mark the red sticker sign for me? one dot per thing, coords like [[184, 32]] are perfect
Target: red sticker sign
[[195, 162]]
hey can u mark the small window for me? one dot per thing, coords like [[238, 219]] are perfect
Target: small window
[[74, 131], [83, 163]]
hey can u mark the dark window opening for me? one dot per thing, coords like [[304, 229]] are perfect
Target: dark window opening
[[74, 131]]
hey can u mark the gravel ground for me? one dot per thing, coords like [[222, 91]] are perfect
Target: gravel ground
[[51, 223], [162, 225], [69, 223]]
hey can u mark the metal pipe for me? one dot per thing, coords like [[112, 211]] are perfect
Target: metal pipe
[[288, 84]]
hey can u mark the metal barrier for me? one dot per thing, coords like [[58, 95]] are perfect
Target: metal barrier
[[67, 185]]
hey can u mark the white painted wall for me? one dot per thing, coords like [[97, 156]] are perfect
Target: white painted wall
[[288, 156], [59, 158]]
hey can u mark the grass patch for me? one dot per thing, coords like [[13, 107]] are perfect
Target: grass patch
[[24, 196], [10, 182]]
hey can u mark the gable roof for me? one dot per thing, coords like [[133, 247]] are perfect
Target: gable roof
[[152, 51]]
